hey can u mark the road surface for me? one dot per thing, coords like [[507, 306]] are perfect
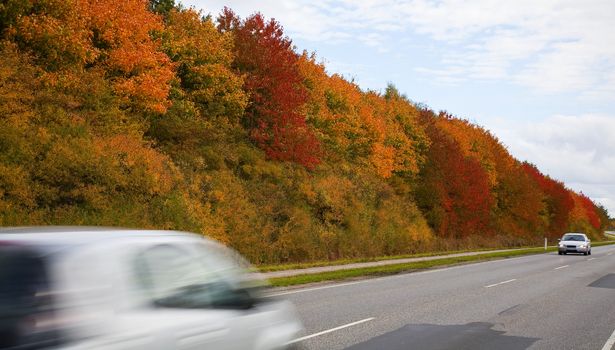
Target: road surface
[[534, 302]]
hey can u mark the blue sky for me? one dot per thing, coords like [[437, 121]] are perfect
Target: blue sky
[[538, 74]]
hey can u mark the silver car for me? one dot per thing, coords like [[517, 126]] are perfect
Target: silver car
[[92, 288], [574, 243]]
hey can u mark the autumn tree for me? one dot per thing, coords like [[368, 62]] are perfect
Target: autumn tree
[[162, 7], [207, 97], [274, 116], [603, 214], [557, 199], [113, 37], [453, 190]]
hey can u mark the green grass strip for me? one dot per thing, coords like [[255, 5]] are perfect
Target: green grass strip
[[405, 267], [298, 266]]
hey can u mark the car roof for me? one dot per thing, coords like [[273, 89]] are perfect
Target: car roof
[[79, 235]]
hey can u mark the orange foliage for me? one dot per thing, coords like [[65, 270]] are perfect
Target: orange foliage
[[122, 32], [363, 126], [478, 143], [585, 210], [102, 34], [54, 32]]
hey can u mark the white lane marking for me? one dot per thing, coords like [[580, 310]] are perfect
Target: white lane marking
[[590, 259], [609, 343], [497, 284], [561, 267], [312, 289], [329, 330]]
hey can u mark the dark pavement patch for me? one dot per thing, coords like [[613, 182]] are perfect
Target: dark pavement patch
[[607, 281], [471, 336]]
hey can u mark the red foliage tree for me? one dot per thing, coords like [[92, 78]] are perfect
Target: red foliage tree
[[590, 210], [453, 191], [272, 78], [558, 199]]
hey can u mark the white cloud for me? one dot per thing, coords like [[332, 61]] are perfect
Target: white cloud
[[550, 46], [575, 149]]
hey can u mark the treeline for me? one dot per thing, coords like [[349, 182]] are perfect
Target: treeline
[[146, 114]]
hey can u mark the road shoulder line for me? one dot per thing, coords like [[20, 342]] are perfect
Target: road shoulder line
[[330, 330], [610, 342]]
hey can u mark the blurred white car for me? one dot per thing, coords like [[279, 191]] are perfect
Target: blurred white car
[[100, 288], [574, 243]]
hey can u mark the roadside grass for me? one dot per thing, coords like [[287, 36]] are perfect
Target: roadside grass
[[598, 244], [298, 266], [407, 267]]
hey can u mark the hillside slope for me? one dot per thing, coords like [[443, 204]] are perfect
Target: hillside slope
[[143, 114]]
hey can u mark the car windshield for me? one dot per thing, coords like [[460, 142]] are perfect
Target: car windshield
[[194, 276], [577, 238]]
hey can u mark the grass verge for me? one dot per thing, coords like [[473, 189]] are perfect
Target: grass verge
[[298, 266], [406, 267]]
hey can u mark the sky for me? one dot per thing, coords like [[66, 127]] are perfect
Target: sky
[[539, 74]]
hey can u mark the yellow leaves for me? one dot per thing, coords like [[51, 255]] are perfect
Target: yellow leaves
[[147, 169], [382, 158], [363, 127], [196, 40], [205, 56], [55, 33], [14, 186]]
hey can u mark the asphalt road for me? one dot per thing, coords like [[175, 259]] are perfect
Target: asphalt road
[[534, 302]]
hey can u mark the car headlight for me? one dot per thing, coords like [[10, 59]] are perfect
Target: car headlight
[[562, 245], [583, 246]]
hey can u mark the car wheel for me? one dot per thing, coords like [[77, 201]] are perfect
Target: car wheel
[[559, 253], [585, 253], [590, 252]]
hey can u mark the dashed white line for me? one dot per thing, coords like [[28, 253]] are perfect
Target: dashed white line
[[497, 284], [609, 343], [561, 267], [329, 331], [590, 259]]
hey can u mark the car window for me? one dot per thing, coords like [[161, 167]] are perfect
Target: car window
[[578, 238], [179, 277]]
